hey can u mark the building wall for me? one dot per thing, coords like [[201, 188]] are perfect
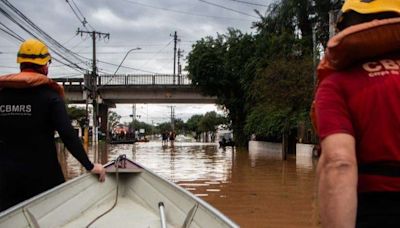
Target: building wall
[[274, 150], [304, 156], [304, 150], [267, 149]]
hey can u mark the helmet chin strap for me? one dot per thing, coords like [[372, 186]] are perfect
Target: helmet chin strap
[[42, 70], [45, 70]]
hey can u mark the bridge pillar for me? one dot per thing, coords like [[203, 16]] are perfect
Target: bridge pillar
[[103, 114]]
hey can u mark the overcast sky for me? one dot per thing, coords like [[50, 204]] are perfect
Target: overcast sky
[[147, 24]]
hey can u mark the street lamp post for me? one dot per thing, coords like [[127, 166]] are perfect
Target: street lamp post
[[133, 106], [126, 55], [133, 49]]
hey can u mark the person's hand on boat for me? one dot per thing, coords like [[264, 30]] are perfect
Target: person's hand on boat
[[99, 169]]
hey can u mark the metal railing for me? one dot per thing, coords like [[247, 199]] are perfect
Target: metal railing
[[144, 79], [130, 79]]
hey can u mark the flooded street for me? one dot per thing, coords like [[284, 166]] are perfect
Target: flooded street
[[248, 187]]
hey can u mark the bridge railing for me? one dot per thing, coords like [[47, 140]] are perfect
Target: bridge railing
[[156, 79]]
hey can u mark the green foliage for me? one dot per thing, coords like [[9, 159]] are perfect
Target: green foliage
[[163, 127], [113, 119], [180, 126], [78, 114], [210, 122], [193, 124], [136, 125], [205, 123], [284, 90], [217, 66], [265, 80]]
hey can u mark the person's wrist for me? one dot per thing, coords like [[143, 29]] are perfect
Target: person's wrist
[[91, 167]]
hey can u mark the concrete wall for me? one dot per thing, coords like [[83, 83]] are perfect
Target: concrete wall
[[304, 157], [304, 150], [265, 149], [274, 150]]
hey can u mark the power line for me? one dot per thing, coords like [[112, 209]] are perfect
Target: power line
[[69, 40], [65, 75], [122, 66], [18, 37], [11, 32], [181, 12], [223, 7], [11, 67], [25, 24], [83, 20], [157, 53], [249, 3], [118, 52], [37, 29], [145, 71], [76, 15]]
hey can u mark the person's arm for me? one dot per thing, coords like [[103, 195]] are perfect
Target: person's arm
[[337, 181], [62, 123]]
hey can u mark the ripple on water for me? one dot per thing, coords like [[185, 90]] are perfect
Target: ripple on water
[[253, 190]]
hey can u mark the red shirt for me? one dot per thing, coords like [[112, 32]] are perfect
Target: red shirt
[[364, 101]]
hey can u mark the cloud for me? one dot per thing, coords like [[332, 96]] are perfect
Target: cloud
[[110, 20], [131, 23]]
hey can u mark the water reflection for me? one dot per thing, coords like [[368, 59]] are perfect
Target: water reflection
[[250, 188]]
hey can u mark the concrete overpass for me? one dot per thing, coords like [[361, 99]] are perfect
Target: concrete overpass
[[133, 89]]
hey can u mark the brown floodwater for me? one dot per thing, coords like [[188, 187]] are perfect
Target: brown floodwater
[[249, 187]]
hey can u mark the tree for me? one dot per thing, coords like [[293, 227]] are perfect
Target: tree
[[284, 90], [164, 127], [210, 121], [136, 125], [78, 114], [113, 119], [180, 126], [265, 80], [298, 17], [193, 125], [216, 67]]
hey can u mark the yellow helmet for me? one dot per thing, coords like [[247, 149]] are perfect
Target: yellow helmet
[[33, 51], [371, 6]]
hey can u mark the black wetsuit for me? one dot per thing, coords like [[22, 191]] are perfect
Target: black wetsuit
[[28, 159]]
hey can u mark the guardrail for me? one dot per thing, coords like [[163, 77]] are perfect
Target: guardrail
[[143, 80], [129, 79]]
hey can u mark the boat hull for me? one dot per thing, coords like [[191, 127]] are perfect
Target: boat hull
[[78, 202]]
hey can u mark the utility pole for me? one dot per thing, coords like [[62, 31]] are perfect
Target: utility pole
[[172, 117], [93, 88], [175, 43], [133, 117], [180, 54]]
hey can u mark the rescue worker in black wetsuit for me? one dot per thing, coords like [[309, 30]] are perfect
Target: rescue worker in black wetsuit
[[31, 110]]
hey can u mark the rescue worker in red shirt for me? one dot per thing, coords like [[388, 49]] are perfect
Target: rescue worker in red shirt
[[357, 115], [32, 108]]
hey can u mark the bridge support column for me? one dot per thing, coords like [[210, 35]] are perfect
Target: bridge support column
[[103, 114]]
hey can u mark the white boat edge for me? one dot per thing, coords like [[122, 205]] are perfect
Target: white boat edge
[[20, 208]]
